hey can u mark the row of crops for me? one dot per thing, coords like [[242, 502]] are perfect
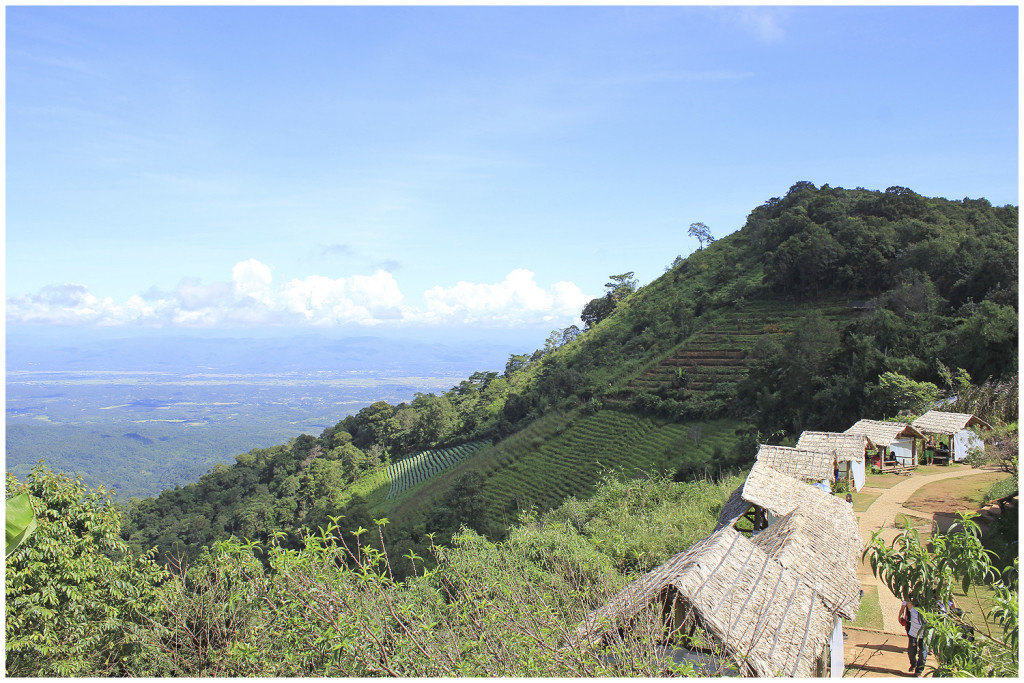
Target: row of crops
[[406, 473], [715, 355], [570, 464]]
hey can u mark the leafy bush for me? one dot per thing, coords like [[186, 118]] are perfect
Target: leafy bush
[[910, 568], [77, 598], [334, 608]]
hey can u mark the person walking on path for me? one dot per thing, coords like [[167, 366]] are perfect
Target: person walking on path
[[916, 649]]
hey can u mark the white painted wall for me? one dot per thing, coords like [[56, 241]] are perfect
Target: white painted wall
[[902, 449], [835, 645], [963, 442], [857, 468]]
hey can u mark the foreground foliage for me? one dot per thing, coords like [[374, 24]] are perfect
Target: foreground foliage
[[334, 607], [76, 598], [958, 557], [487, 609]]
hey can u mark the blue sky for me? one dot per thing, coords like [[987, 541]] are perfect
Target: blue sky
[[386, 168]]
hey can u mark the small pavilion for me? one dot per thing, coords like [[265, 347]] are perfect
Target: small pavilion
[[850, 452], [960, 439], [895, 443]]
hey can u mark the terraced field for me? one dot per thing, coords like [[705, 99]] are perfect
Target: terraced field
[[418, 500], [410, 471], [719, 354], [565, 454], [571, 463]]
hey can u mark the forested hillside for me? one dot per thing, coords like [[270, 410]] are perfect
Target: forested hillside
[[790, 323]]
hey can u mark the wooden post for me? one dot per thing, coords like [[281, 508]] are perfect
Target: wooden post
[[820, 665]]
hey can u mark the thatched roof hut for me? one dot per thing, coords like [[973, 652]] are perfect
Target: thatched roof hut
[[947, 424], [847, 447], [962, 441], [769, 619], [850, 449], [802, 463], [883, 434]]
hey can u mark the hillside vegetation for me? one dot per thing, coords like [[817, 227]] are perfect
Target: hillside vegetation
[[807, 317], [78, 603]]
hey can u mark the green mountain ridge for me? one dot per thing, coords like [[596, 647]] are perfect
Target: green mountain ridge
[[754, 335]]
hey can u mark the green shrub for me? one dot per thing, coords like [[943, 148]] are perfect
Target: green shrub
[[77, 597]]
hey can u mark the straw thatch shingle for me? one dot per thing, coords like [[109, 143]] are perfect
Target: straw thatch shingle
[[802, 463], [779, 493], [733, 509], [939, 422], [821, 533], [884, 433], [769, 620], [847, 447]]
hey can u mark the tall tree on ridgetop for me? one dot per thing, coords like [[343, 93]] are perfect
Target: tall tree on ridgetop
[[621, 286], [702, 233]]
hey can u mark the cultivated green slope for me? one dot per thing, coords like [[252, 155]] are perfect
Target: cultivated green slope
[[573, 462], [567, 454]]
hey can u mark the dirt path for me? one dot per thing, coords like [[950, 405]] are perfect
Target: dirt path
[[881, 514], [871, 654]]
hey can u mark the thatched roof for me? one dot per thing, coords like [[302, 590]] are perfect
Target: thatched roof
[[823, 550], [884, 433], [769, 619], [733, 509], [802, 463], [847, 447], [779, 493], [822, 539], [939, 422]]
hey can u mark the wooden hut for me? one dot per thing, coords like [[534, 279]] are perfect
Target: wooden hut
[[804, 464], [850, 451], [895, 443], [954, 426], [767, 619], [774, 601]]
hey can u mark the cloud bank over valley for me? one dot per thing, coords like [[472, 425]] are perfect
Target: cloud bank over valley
[[252, 298]]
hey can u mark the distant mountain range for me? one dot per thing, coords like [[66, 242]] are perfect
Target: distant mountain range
[[181, 354]]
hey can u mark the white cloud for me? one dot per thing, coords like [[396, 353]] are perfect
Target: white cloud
[[360, 299], [67, 304], [252, 279], [193, 295], [251, 298], [516, 300]]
